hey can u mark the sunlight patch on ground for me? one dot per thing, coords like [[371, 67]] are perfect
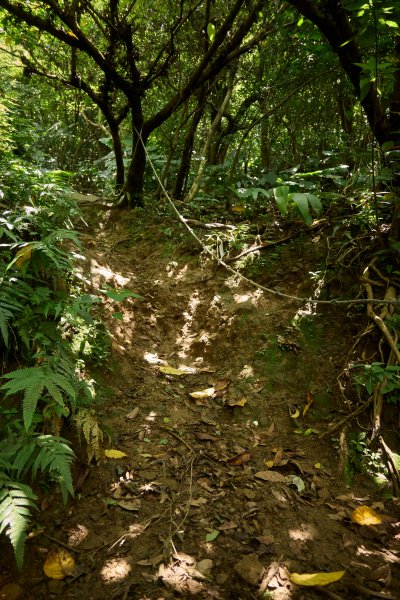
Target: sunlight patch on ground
[[115, 570], [77, 535], [304, 533], [253, 297], [153, 359], [246, 372], [186, 338]]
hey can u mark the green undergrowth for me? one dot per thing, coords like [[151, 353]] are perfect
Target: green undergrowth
[[51, 339]]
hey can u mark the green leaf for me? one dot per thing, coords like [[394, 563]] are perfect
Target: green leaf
[[301, 201], [118, 296], [211, 32], [282, 197], [210, 537]]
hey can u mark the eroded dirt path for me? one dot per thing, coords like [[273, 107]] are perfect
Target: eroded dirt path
[[224, 494]]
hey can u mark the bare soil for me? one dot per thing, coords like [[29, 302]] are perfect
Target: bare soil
[[227, 493]]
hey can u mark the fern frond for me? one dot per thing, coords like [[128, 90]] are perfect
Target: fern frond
[[5, 316], [55, 458], [16, 505], [88, 425], [31, 398]]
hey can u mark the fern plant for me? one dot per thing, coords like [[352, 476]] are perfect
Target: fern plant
[[42, 382], [19, 456]]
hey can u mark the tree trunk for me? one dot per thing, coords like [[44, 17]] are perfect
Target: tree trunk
[[183, 171], [119, 155]]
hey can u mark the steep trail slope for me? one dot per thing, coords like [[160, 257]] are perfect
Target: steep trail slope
[[228, 484]]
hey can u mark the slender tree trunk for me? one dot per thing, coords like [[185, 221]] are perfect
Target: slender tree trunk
[[184, 166], [119, 155], [134, 182]]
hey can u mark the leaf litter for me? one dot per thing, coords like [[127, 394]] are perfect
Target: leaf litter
[[257, 508]]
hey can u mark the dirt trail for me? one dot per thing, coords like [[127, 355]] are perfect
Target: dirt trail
[[224, 494]]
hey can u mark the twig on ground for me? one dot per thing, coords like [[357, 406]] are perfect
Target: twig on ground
[[60, 543], [339, 424], [177, 437]]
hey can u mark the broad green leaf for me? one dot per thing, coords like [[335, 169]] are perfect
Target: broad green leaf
[[301, 202], [282, 197]]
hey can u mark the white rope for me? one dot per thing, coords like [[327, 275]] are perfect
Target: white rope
[[240, 275]]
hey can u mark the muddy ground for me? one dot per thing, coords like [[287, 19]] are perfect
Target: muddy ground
[[231, 479]]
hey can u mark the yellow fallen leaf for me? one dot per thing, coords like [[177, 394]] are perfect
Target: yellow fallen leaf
[[114, 453], [59, 564], [311, 579], [310, 400], [269, 463], [23, 255], [364, 515], [295, 415], [207, 393], [237, 401], [167, 370], [238, 208]]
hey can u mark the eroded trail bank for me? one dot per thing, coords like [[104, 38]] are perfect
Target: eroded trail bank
[[219, 397]]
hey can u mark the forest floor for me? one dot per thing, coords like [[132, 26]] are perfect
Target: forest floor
[[224, 490]]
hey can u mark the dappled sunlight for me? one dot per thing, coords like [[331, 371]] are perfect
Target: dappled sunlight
[[115, 570], [303, 533], [186, 336], [77, 535]]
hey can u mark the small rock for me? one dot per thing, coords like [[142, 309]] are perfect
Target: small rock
[[250, 569], [204, 567]]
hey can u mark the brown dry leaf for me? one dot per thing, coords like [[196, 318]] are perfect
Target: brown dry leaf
[[114, 453], [59, 564], [199, 502], [240, 459], [221, 384], [310, 400], [278, 457], [133, 414], [313, 579], [271, 476], [271, 429], [207, 393], [132, 505], [266, 539], [364, 515], [151, 562]]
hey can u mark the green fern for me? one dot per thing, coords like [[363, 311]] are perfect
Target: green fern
[[34, 381], [88, 426], [16, 505]]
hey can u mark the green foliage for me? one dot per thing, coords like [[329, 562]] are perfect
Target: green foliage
[[371, 375]]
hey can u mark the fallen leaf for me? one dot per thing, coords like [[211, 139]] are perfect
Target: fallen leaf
[[364, 515], [278, 457], [133, 414], [114, 453], [167, 370], [221, 384], [132, 505], [269, 463], [239, 459], [59, 564], [267, 540], [310, 400], [236, 401], [151, 562], [199, 502], [271, 476], [271, 429], [297, 481], [207, 393], [312, 579], [210, 537], [296, 414]]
